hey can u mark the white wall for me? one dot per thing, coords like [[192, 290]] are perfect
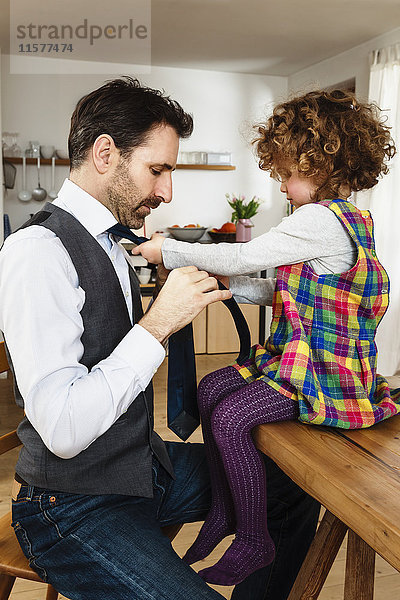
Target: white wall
[[344, 66], [223, 104], [39, 107]]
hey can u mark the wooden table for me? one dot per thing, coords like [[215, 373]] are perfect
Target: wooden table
[[356, 477]]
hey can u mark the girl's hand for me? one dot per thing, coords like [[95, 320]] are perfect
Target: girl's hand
[[151, 250]]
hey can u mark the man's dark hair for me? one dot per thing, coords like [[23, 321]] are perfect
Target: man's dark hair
[[125, 110]]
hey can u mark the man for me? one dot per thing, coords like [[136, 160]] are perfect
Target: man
[[94, 483]]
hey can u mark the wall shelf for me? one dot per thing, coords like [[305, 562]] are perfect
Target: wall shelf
[[207, 167], [17, 160], [64, 162]]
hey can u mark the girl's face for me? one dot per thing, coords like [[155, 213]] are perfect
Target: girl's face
[[299, 190]]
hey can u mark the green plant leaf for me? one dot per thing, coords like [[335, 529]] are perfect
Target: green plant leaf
[[241, 210]]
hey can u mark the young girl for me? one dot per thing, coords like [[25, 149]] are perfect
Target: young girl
[[330, 292]]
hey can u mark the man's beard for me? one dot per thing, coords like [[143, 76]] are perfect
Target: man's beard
[[125, 200]]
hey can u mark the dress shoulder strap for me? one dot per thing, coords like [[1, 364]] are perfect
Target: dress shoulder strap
[[359, 224]]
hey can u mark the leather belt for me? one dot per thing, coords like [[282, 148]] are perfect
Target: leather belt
[[20, 480]]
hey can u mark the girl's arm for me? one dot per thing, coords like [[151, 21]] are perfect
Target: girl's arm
[[252, 290], [312, 232]]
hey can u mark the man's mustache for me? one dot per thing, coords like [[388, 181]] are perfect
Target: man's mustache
[[152, 202]]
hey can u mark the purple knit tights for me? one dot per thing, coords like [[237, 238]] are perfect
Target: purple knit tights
[[230, 408]]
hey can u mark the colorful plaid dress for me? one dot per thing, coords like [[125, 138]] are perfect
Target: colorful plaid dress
[[321, 349]]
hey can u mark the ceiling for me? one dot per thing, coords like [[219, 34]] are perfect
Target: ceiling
[[266, 37]]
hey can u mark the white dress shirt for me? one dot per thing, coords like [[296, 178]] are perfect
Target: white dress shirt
[[40, 304]]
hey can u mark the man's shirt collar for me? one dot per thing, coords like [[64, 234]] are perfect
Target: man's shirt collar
[[93, 215]]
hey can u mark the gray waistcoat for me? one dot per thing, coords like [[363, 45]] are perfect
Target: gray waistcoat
[[119, 461]]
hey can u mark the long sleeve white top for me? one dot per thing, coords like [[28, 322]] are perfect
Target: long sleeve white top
[[40, 304], [312, 234]]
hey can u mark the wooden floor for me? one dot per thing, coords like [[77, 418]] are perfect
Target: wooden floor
[[387, 586]]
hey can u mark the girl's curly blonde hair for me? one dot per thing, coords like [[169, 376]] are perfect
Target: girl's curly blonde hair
[[329, 136]]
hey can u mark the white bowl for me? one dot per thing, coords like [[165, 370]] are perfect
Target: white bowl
[[47, 151], [62, 154], [145, 278], [187, 234]]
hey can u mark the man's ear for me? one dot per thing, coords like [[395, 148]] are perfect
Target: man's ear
[[104, 153]]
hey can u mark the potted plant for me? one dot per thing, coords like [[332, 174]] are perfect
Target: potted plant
[[242, 214]]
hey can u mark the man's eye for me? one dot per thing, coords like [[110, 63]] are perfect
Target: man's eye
[[155, 172]]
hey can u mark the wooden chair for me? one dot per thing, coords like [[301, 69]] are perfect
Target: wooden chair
[[13, 563]]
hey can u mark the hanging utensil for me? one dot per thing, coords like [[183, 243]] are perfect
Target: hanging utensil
[[39, 193], [53, 193], [9, 172], [24, 194]]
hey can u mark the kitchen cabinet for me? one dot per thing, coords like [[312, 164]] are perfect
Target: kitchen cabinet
[[200, 333], [214, 331], [222, 336]]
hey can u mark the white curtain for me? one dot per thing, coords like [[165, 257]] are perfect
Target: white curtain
[[384, 203]]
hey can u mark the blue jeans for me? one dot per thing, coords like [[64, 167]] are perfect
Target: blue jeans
[[91, 547]]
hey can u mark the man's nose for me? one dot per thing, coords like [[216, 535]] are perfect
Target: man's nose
[[283, 187], [164, 188]]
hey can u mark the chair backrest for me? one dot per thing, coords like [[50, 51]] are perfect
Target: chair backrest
[[9, 440], [4, 366], [12, 560]]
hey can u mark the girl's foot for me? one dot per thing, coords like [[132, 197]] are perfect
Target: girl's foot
[[213, 531], [242, 558]]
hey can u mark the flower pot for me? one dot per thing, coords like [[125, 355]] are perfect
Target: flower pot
[[243, 230]]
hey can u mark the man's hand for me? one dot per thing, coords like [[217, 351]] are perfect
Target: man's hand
[[184, 295], [151, 250]]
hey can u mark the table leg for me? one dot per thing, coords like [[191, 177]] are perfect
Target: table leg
[[319, 560], [360, 569]]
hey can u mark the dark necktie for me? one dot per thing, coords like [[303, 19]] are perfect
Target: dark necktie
[[182, 411]]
